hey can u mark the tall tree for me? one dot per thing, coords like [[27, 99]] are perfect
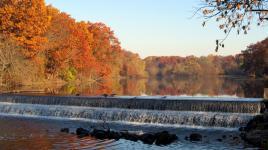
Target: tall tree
[[25, 21]]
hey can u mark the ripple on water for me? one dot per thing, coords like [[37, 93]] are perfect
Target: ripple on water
[[32, 134]]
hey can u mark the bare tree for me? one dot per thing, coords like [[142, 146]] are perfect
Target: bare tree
[[14, 68], [236, 15]]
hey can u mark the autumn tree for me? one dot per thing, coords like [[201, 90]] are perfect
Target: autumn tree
[[69, 47], [234, 14], [14, 68], [106, 48], [25, 21], [133, 66], [255, 62]]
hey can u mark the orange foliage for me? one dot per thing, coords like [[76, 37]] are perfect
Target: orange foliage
[[25, 21], [62, 47]]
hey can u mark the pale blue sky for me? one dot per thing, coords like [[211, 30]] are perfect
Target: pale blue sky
[[158, 27]]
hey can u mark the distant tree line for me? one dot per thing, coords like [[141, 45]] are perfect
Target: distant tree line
[[175, 66], [251, 62]]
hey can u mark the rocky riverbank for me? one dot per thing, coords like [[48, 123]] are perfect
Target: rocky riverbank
[[256, 131]]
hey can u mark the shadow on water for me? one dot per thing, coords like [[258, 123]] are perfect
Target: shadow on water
[[185, 86]]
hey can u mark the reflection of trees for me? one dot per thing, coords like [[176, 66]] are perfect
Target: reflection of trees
[[133, 87], [119, 87], [211, 86], [253, 88]]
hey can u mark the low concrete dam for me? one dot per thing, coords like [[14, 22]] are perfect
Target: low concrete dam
[[170, 110]]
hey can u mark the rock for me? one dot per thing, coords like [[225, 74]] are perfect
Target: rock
[[82, 132], [262, 126], [164, 138], [195, 137], [256, 131], [220, 140], [242, 129], [224, 136], [66, 130], [147, 138], [115, 135], [255, 137], [100, 134], [235, 138], [129, 136], [252, 124]]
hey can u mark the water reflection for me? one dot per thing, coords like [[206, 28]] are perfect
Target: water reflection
[[191, 86], [43, 134]]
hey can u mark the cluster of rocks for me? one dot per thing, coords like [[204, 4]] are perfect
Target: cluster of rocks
[[256, 131], [160, 138]]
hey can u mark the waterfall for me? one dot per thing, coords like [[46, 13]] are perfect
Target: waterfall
[[232, 105], [186, 118], [174, 111]]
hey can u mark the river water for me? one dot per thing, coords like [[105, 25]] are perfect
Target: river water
[[43, 133], [190, 86], [182, 107]]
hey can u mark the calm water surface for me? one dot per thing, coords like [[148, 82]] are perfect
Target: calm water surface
[[187, 86]]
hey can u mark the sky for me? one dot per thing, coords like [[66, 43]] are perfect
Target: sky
[[159, 27]]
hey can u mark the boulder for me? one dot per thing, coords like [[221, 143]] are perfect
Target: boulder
[[129, 136], [115, 135], [252, 124], [255, 137], [195, 137], [100, 134], [147, 138], [82, 132], [164, 138]]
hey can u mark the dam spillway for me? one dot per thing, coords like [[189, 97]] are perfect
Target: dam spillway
[[174, 111], [173, 103]]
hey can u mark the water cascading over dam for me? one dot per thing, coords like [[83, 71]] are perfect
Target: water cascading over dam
[[174, 111]]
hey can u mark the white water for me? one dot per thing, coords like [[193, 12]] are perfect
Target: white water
[[199, 104], [135, 116]]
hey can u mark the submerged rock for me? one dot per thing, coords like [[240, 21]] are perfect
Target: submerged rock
[[195, 137], [164, 138], [82, 132], [220, 140], [66, 130]]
